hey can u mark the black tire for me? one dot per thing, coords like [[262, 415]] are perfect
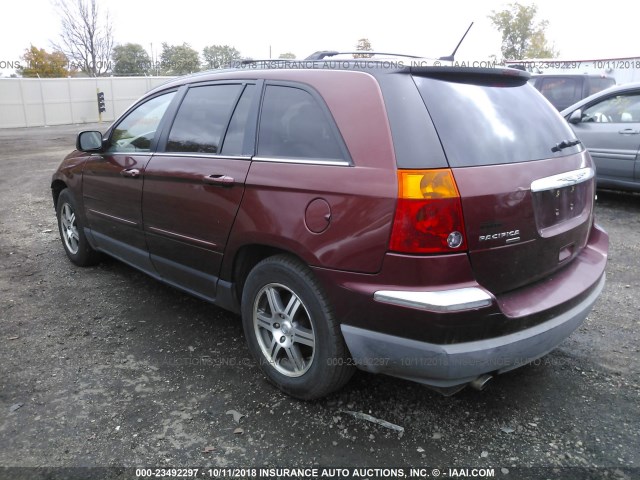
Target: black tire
[[71, 230], [298, 344]]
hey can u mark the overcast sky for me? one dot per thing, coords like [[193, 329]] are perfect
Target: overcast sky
[[258, 28]]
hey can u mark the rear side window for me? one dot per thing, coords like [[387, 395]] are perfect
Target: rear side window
[[489, 121], [202, 119], [294, 125]]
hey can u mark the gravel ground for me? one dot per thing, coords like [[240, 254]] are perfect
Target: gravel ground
[[105, 367]]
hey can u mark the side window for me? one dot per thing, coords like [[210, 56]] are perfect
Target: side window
[[234, 139], [137, 130], [293, 125], [202, 119], [618, 109]]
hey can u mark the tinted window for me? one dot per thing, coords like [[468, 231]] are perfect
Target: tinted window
[[598, 84], [202, 119], [488, 122], [294, 125], [415, 140], [618, 109], [137, 130], [234, 140], [562, 91]]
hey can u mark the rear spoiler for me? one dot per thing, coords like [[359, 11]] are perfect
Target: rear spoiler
[[439, 70], [506, 76]]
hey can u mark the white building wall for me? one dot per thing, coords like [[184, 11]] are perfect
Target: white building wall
[[30, 102]]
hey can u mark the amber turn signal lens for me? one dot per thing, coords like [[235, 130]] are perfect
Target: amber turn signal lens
[[426, 184]]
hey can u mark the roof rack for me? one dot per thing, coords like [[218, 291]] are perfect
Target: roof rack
[[322, 54], [263, 60]]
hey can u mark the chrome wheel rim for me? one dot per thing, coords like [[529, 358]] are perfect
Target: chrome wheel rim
[[284, 330], [69, 228]]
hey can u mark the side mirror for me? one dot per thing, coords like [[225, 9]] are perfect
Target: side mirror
[[576, 116], [89, 141]]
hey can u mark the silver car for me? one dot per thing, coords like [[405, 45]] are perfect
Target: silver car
[[608, 124]]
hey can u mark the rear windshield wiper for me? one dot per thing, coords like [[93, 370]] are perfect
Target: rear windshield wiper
[[565, 144]]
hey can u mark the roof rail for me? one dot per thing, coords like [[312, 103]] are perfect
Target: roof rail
[[320, 55], [261, 60]]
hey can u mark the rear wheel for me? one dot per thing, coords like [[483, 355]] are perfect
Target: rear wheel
[[291, 330], [74, 241]]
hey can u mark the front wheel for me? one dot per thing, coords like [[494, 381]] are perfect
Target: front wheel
[[74, 241], [291, 330]]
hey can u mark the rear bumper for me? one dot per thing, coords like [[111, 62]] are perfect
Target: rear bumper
[[455, 364], [426, 319]]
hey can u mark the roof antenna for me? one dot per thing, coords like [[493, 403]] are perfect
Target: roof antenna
[[450, 58]]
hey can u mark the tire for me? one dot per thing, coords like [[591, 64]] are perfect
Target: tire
[[291, 331], [71, 230]]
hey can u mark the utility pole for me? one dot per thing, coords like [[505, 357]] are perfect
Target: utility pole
[[153, 63]]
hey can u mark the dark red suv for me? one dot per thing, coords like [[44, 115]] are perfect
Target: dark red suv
[[428, 222]]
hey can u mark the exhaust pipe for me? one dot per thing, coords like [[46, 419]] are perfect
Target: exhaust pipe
[[481, 382]]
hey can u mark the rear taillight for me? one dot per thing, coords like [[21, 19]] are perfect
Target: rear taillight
[[429, 213]]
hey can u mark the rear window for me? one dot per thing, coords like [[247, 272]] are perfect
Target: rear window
[[489, 121]]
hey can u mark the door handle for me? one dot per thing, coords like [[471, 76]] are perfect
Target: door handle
[[130, 173], [629, 131], [219, 180]]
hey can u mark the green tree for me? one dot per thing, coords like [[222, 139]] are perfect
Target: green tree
[[39, 63], [130, 59], [217, 56], [86, 37], [179, 59], [287, 56], [522, 35], [364, 45]]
